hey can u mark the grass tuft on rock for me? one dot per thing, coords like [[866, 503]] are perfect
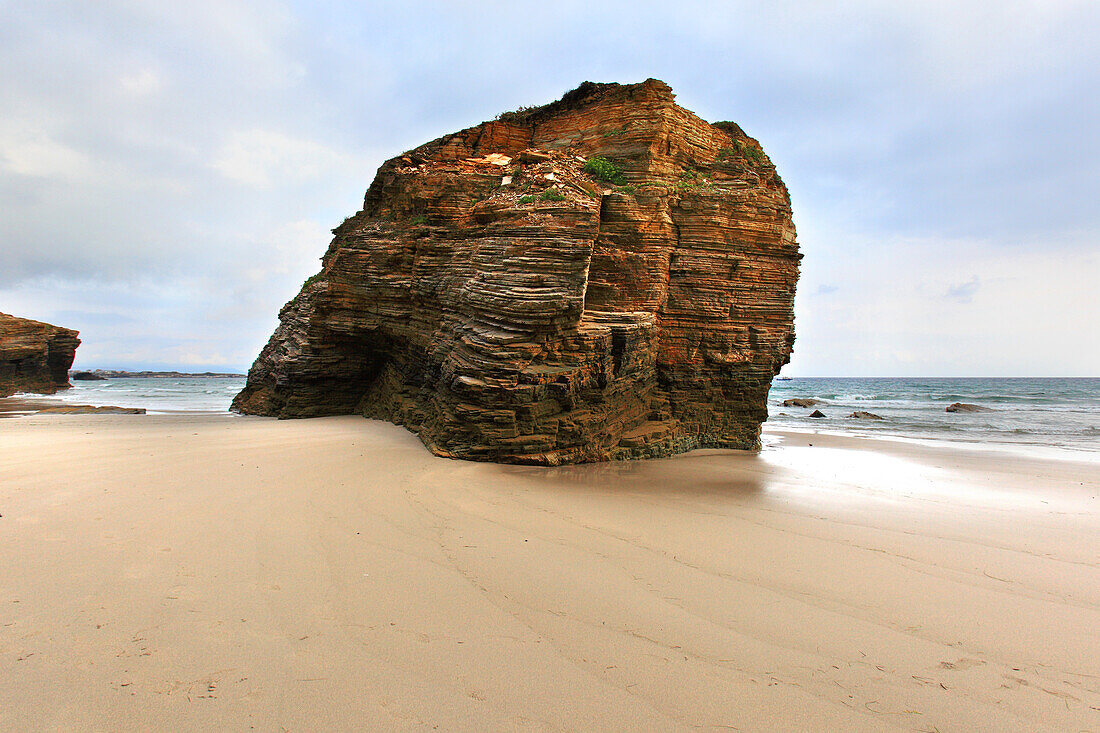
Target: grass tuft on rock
[[605, 170], [741, 150]]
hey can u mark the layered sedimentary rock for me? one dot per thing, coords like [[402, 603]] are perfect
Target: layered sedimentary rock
[[607, 276], [34, 356]]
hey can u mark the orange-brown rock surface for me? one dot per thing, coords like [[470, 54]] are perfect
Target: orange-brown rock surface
[[607, 276], [34, 356]]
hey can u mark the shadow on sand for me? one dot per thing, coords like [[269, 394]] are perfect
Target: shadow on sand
[[711, 473]]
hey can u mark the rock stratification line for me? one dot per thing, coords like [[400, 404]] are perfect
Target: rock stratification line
[[607, 276]]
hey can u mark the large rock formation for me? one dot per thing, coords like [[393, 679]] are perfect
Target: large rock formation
[[607, 276], [34, 356]]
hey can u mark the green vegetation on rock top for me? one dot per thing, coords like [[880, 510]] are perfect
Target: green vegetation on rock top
[[741, 150], [312, 279], [605, 170]]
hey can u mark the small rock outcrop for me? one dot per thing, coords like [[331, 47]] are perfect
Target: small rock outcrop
[[863, 415], [34, 356], [817, 413], [607, 276], [967, 407], [86, 377], [801, 402]]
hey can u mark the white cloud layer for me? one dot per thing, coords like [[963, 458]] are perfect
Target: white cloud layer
[[947, 307], [141, 82], [168, 174], [264, 158], [27, 150]]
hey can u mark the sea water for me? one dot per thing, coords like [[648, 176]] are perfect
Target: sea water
[[1054, 412], [157, 394]]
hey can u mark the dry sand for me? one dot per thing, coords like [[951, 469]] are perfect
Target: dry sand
[[215, 573]]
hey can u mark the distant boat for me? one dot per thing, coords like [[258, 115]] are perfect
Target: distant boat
[[783, 379]]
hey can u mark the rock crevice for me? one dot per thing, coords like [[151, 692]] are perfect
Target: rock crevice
[[508, 299]]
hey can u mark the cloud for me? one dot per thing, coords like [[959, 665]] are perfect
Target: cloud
[[141, 82], [964, 292], [891, 316], [28, 151], [263, 157], [92, 317], [182, 165]]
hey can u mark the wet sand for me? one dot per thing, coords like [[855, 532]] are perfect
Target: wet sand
[[22, 404], [215, 573]]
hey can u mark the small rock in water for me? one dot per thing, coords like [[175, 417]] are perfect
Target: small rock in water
[[861, 415], [801, 402], [817, 413], [966, 407]]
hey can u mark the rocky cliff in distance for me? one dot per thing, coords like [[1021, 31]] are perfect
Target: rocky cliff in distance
[[34, 356], [607, 276]]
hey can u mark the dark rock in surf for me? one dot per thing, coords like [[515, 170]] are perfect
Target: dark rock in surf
[[966, 407], [861, 415]]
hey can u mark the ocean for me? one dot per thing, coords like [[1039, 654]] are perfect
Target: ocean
[[1050, 412], [158, 394]]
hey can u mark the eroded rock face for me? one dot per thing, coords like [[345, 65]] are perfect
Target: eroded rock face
[[509, 297], [34, 356]]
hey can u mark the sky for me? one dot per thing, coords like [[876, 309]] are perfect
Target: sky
[[170, 172]]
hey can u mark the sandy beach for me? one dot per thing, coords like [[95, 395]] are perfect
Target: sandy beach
[[219, 573]]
